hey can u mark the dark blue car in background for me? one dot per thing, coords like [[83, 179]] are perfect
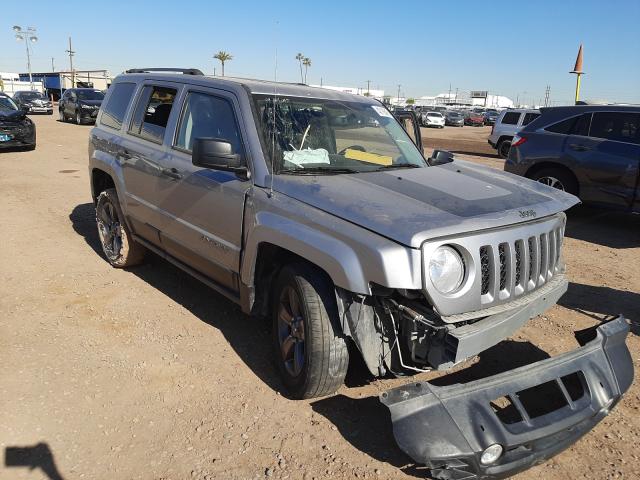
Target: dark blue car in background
[[591, 151]]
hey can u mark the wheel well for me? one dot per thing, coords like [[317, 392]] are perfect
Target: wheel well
[[100, 181], [269, 261], [542, 165], [503, 138]]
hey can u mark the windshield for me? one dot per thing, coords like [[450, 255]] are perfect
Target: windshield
[[322, 135], [90, 94], [6, 104], [434, 114], [32, 96]]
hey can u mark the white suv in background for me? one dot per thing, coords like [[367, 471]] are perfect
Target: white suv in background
[[508, 123], [433, 119]]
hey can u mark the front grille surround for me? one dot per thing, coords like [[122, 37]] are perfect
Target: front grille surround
[[501, 265]]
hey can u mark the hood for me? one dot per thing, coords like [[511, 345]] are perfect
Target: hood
[[12, 115], [414, 205], [94, 103]]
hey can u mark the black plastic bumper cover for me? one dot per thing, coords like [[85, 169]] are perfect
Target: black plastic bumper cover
[[448, 428]]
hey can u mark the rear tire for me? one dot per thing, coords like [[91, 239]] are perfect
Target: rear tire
[[311, 355], [557, 178], [503, 148], [116, 239]]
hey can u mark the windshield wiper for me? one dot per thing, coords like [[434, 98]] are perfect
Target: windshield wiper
[[399, 165], [316, 170]]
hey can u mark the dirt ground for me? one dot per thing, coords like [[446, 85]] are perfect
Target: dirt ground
[[147, 374]]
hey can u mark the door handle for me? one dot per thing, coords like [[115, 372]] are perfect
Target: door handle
[[172, 172], [579, 148]]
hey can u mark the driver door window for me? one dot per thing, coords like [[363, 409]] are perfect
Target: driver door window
[[207, 116]]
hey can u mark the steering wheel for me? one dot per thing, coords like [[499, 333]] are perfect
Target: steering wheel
[[360, 148]]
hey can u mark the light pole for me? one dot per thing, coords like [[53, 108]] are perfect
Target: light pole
[[28, 35]]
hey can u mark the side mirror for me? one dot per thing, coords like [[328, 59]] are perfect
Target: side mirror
[[440, 157], [217, 154]]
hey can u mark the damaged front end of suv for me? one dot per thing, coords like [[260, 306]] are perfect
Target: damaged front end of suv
[[478, 289]]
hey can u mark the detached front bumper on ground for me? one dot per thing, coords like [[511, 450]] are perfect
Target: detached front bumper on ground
[[532, 412]]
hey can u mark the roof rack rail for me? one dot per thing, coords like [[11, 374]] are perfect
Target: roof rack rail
[[185, 71]]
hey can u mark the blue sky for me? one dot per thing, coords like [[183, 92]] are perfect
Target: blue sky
[[508, 48]]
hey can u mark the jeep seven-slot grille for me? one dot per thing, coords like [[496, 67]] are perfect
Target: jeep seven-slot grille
[[510, 269]]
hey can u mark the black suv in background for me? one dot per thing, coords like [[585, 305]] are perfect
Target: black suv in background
[[33, 102], [590, 151], [80, 104]]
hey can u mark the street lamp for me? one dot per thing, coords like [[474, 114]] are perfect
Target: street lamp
[[29, 36]]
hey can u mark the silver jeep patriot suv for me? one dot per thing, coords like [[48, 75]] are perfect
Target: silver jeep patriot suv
[[316, 209]]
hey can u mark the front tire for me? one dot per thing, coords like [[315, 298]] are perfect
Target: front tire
[[116, 239], [61, 116], [311, 355], [78, 118]]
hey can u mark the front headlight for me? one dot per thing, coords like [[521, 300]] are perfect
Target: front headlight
[[86, 107], [446, 269]]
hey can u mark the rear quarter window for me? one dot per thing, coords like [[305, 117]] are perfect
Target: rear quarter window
[[114, 111], [511, 118], [578, 125], [529, 117]]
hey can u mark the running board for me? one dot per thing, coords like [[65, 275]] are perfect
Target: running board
[[228, 293]]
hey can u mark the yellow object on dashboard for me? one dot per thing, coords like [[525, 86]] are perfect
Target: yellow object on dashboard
[[367, 157]]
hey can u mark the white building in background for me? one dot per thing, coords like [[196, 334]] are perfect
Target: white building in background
[[10, 83], [378, 94], [467, 98]]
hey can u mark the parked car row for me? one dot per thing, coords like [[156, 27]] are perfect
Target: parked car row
[[18, 131], [439, 116]]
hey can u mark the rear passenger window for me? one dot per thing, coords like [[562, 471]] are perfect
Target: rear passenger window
[[511, 118], [152, 113], [564, 127], [529, 117], [581, 127], [620, 126], [113, 112], [206, 116]]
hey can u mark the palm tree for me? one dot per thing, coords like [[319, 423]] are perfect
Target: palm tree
[[223, 57], [300, 57], [307, 63]]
